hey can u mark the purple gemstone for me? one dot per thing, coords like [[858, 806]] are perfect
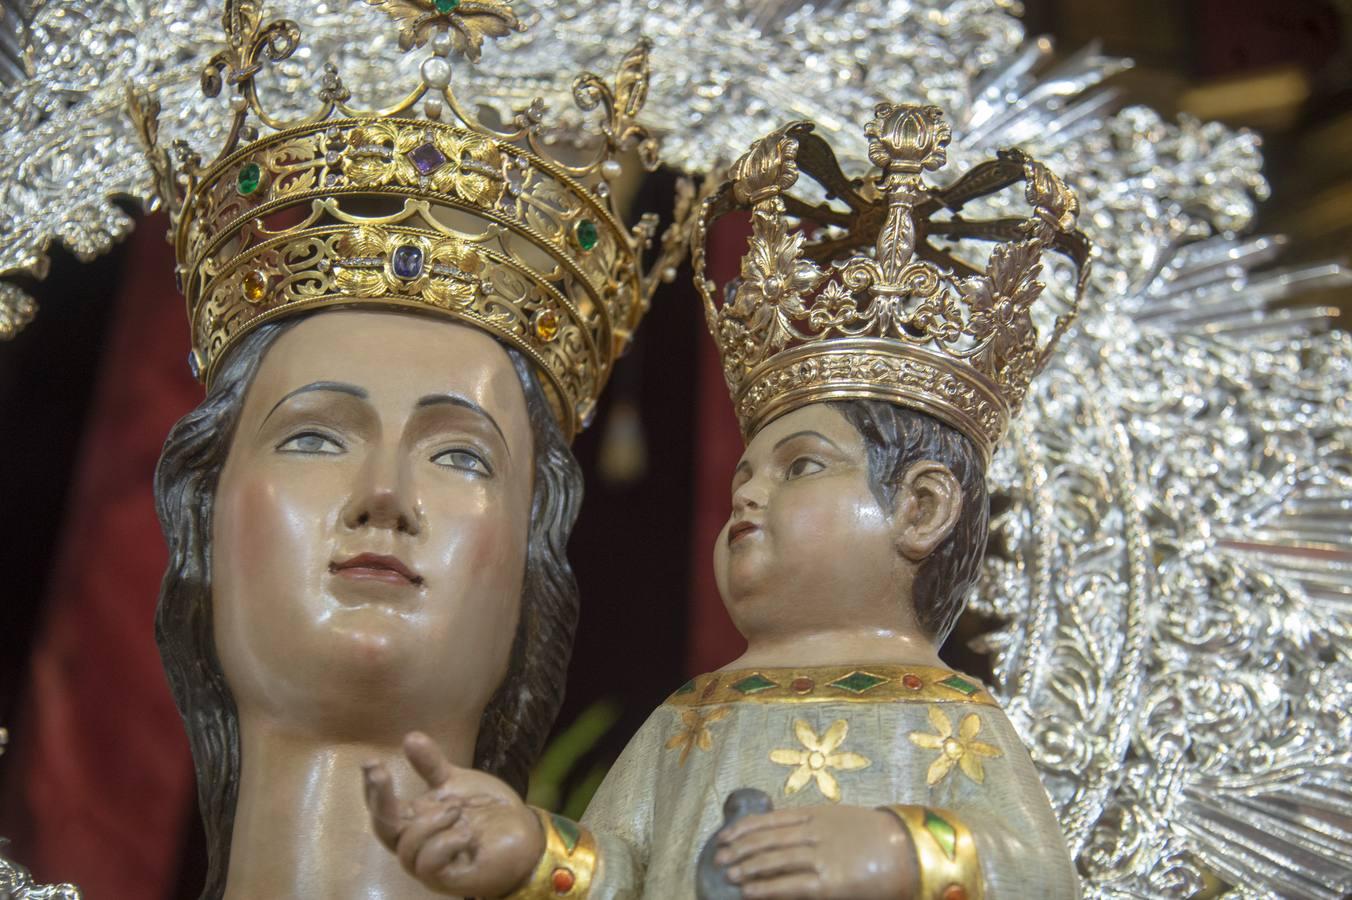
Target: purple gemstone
[[426, 158], [407, 261]]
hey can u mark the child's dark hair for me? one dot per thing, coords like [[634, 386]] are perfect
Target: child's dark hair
[[897, 438]]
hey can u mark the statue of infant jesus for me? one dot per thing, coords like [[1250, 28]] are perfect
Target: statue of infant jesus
[[858, 525]]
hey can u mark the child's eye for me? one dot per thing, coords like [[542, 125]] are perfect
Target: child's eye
[[803, 465], [466, 460], [310, 442]]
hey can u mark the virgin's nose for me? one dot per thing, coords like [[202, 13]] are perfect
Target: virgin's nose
[[383, 497]]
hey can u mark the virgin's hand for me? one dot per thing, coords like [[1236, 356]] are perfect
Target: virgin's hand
[[469, 834], [819, 853]]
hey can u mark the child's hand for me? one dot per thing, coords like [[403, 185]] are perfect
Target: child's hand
[[819, 853], [468, 835]]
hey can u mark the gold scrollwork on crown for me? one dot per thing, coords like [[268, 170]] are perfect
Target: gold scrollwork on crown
[[835, 304], [418, 206]]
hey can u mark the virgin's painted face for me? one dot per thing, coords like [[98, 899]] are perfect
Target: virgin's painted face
[[807, 542], [370, 526]]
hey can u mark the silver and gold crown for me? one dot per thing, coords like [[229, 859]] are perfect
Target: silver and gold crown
[[860, 302], [419, 206]]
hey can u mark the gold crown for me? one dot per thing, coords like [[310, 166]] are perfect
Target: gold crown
[[816, 317], [438, 213]]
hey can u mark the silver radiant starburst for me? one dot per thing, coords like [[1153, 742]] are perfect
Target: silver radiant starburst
[[1171, 564]]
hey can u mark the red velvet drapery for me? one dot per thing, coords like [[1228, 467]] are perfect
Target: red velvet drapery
[[105, 774]]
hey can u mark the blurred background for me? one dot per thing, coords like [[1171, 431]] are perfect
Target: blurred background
[[97, 788]]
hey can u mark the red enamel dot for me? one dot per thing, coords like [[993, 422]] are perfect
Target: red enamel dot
[[564, 880], [955, 892], [802, 685], [914, 683]]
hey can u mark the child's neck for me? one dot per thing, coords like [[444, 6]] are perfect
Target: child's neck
[[837, 647]]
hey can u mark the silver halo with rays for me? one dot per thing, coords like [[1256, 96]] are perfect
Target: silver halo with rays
[[1171, 562]]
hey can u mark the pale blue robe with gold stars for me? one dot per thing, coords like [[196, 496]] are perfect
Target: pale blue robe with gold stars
[[870, 737]]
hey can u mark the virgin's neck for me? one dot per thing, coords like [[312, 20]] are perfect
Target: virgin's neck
[[301, 825], [838, 647]]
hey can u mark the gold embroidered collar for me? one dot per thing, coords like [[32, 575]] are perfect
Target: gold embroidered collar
[[832, 684]]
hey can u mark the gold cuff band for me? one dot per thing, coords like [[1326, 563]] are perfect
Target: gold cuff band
[[566, 867], [946, 860]]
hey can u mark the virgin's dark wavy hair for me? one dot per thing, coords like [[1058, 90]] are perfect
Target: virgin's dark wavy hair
[[519, 715], [897, 438]]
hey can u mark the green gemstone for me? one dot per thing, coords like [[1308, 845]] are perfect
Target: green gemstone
[[858, 682], [587, 235], [445, 6], [687, 688], [250, 177], [753, 684], [567, 830], [966, 688], [943, 833]]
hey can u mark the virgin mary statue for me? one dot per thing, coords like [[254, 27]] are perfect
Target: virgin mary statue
[[401, 319]]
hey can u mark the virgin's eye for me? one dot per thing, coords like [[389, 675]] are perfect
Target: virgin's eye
[[803, 465], [310, 442], [466, 460]]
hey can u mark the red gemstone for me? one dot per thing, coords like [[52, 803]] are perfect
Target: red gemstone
[[802, 685], [564, 880], [955, 892], [912, 681]]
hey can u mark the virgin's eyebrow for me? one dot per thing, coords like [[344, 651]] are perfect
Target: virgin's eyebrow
[[466, 403], [340, 387]]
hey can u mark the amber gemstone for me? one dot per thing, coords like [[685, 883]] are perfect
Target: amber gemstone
[[802, 685], [955, 892], [255, 286], [546, 325], [563, 880], [912, 681]]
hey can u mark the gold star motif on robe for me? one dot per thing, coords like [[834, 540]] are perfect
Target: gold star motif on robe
[[961, 750], [817, 758], [696, 731]]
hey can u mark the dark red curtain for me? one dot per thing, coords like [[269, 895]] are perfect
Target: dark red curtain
[[103, 771], [718, 446]]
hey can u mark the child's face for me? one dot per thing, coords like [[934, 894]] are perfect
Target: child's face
[[808, 547]]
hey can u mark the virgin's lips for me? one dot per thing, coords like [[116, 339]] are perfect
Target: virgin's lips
[[739, 530], [376, 566]]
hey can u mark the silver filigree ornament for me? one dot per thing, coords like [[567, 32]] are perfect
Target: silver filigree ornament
[[1171, 564]]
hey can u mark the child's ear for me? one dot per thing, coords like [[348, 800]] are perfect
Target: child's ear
[[929, 501]]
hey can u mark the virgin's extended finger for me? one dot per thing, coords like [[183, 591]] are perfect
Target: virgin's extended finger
[[762, 841], [381, 802], [417, 831], [786, 887], [441, 859], [774, 864], [780, 818]]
